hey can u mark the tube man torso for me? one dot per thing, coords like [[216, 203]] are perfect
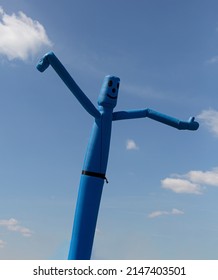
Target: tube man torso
[[95, 163]]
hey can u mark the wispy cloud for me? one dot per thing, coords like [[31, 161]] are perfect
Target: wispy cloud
[[131, 145], [181, 186], [213, 60], [13, 225], [144, 91], [2, 244], [21, 36], [194, 182], [156, 214], [210, 119]]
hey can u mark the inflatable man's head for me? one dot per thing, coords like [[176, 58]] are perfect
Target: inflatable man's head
[[109, 92]]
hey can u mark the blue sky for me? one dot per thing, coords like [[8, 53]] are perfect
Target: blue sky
[[161, 200]]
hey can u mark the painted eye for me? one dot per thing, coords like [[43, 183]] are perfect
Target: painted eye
[[118, 85], [110, 83]]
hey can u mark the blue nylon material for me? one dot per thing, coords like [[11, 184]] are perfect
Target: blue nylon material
[[191, 124], [96, 159], [85, 219]]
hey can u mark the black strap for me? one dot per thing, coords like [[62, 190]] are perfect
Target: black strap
[[95, 174]]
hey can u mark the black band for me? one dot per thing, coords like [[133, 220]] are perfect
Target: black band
[[94, 174]]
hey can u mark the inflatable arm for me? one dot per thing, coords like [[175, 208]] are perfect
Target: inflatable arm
[[191, 124], [51, 59]]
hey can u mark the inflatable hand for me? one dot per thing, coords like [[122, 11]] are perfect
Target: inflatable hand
[[43, 64]]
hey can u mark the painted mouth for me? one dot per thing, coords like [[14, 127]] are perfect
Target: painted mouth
[[112, 97]]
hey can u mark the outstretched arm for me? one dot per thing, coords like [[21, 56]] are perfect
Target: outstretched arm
[[191, 124], [51, 59]]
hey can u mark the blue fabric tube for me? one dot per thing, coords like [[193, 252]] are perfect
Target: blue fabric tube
[[191, 124], [85, 218], [96, 159], [90, 189], [51, 59]]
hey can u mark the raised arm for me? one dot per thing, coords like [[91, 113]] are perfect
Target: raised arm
[[51, 59], [191, 124]]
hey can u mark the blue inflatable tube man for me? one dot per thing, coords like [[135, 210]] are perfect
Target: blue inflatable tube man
[[95, 163]]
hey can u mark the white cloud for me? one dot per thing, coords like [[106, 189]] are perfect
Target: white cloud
[[181, 186], [177, 212], [157, 214], [210, 119], [193, 182], [174, 211], [209, 178], [13, 225], [21, 37], [131, 145]]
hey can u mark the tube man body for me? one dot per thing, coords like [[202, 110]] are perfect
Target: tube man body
[[95, 163]]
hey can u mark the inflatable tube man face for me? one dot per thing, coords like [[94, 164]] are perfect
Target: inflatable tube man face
[[109, 92]]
